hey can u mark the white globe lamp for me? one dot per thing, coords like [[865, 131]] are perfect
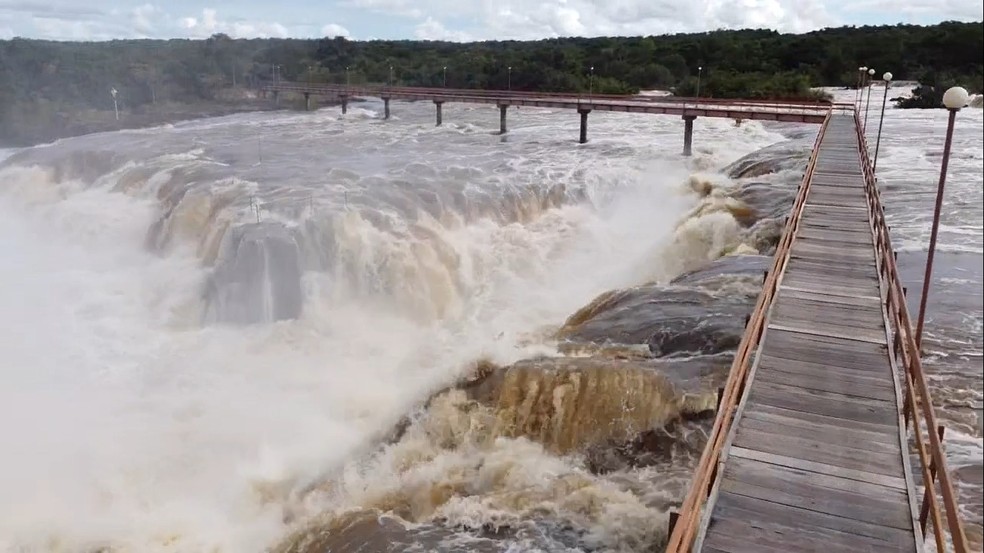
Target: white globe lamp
[[956, 98]]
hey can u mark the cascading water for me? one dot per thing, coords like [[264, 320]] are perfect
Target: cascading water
[[211, 331]]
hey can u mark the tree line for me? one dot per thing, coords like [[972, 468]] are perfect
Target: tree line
[[51, 82]]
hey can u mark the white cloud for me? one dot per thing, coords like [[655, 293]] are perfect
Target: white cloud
[[209, 24], [455, 20], [50, 9], [402, 8], [333, 30], [526, 19], [145, 18], [72, 29], [431, 29], [939, 9]]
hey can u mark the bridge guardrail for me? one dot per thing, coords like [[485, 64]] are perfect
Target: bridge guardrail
[[706, 473], [377, 90], [918, 410]]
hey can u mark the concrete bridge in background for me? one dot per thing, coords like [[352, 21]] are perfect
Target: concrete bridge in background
[[687, 108]]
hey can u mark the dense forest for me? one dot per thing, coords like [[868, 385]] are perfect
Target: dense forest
[[60, 88]]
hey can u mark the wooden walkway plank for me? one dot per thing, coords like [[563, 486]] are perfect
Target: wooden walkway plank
[[815, 460], [751, 508]]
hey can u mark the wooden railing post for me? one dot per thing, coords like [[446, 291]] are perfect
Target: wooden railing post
[[671, 524], [924, 512]]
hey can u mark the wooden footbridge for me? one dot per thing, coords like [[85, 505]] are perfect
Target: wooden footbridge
[[687, 108], [826, 411]]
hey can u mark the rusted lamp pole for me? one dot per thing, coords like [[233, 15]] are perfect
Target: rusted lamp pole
[[864, 127], [953, 99], [887, 77], [857, 94], [700, 70]]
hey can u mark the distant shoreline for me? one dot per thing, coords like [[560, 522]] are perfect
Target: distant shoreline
[[92, 121], [80, 123]]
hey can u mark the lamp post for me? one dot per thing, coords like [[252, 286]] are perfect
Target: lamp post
[[509, 78], [864, 127], [953, 99], [116, 108], [700, 70], [591, 82], [391, 76], [887, 77], [348, 77], [857, 93], [445, 76]]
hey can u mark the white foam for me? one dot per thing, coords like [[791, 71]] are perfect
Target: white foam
[[127, 424]]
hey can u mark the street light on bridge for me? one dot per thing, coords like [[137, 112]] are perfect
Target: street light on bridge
[[953, 99], [591, 82], [391, 76], [509, 78], [700, 69], [445, 76], [887, 77], [864, 126], [857, 93], [348, 77]]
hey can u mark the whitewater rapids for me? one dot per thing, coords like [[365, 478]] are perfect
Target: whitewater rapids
[[212, 329]]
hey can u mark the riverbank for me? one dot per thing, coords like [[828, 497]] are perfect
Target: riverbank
[[47, 125], [43, 122]]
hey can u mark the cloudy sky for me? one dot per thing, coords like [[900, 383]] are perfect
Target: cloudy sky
[[450, 19]]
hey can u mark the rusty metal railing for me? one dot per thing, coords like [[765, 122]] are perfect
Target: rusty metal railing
[[918, 410], [808, 110], [376, 89], [687, 523]]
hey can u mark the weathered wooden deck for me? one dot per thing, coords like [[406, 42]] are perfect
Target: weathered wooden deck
[[816, 458]]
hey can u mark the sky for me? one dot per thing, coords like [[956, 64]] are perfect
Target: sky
[[456, 20]]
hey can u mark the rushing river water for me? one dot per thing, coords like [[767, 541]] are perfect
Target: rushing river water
[[262, 331]]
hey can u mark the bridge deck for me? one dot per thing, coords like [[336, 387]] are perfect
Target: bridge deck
[[815, 460], [793, 112]]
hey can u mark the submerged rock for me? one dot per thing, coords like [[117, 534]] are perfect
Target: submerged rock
[[567, 403], [770, 177], [701, 312], [782, 156], [726, 272], [257, 278], [772, 199], [370, 532]]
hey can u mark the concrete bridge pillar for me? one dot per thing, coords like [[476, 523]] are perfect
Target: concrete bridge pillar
[[584, 124], [307, 101], [439, 104], [502, 118], [344, 104], [386, 108], [688, 134]]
